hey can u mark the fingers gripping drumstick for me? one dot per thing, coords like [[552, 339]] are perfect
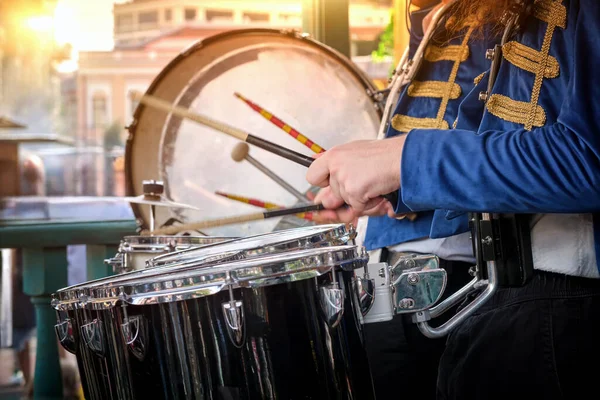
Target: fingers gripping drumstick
[[234, 132]]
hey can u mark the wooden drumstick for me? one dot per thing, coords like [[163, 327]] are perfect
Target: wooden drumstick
[[221, 127], [234, 132], [215, 223], [241, 152], [262, 204], [269, 116]]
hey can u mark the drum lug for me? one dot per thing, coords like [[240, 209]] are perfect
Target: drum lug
[[93, 337], [233, 312], [365, 288], [64, 333], [117, 263], [417, 283], [134, 330], [331, 298]]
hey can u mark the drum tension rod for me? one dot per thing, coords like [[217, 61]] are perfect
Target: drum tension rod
[[378, 95]]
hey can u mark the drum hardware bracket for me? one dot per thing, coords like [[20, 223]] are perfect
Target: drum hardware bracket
[[133, 331], [64, 332], [481, 244], [331, 298], [233, 312], [365, 290], [379, 95], [93, 336]]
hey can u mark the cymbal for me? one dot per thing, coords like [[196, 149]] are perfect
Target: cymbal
[[158, 201]]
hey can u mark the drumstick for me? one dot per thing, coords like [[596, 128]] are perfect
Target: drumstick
[[215, 223], [241, 152], [248, 200], [262, 204], [234, 132], [282, 125], [221, 127]]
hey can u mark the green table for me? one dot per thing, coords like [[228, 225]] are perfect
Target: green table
[[44, 240]]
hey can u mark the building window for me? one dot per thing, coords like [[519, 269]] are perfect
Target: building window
[[190, 14], [148, 17], [218, 15], [168, 14], [255, 17], [124, 22], [99, 111]]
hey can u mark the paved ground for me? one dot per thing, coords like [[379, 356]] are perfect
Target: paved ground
[[7, 363]]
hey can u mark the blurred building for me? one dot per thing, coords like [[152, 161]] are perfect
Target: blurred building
[[148, 34]]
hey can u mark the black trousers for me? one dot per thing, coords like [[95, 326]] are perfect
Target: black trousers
[[540, 341], [402, 360]]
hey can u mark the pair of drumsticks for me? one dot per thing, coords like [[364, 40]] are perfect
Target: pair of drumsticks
[[240, 152], [244, 137]]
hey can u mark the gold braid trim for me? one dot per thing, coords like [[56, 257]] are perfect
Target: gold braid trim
[[552, 12], [530, 59], [555, 16], [478, 78], [447, 53], [514, 111], [465, 48], [435, 89], [446, 91], [404, 123], [540, 63]]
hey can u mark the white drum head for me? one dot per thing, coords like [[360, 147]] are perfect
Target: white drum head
[[311, 87]]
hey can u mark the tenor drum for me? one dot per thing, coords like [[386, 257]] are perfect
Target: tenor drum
[[103, 366], [89, 313], [313, 88], [274, 242], [134, 251], [282, 325]]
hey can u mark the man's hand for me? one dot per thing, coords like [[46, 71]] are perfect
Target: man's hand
[[358, 174]]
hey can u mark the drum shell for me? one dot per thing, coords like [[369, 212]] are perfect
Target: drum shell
[[95, 381], [289, 351], [136, 260], [134, 251]]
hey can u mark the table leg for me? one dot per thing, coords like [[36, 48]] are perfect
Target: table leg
[[44, 272]]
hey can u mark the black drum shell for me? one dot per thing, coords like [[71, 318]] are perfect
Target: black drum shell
[[289, 351]]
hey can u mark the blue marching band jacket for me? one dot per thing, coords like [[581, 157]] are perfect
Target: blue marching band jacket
[[533, 147]]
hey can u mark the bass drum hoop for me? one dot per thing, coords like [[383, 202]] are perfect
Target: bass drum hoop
[[134, 188]]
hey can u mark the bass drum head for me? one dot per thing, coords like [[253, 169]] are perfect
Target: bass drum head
[[310, 86]]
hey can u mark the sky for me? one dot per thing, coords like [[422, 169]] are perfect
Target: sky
[[86, 24]]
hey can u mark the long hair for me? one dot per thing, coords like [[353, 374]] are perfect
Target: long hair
[[480, 13]]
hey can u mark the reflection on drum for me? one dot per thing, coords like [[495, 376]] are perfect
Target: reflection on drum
[[271, 316]]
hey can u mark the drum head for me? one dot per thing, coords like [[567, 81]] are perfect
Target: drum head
[[309, 86]]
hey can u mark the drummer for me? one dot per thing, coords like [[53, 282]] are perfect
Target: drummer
[[535, 151], [397, 350]]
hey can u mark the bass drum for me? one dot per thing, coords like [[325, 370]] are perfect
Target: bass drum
[[310, 86]]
